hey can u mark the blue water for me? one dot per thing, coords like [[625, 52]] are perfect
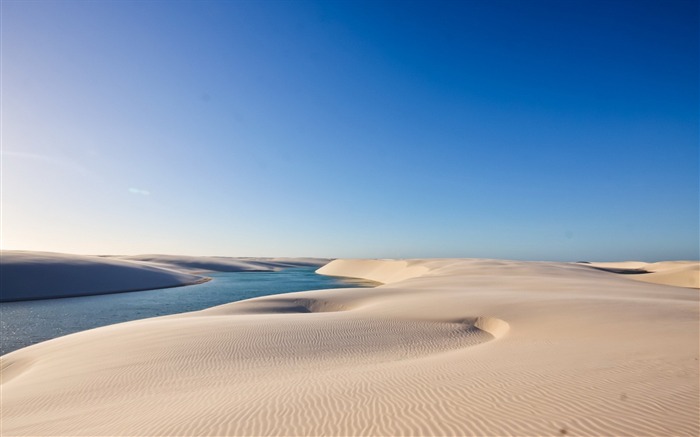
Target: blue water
[[26, 323]]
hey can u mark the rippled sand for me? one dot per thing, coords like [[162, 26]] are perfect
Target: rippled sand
[[445, 347]]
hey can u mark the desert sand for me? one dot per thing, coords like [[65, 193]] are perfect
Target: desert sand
[[30, 275], [41, 275], [204, 264], [678, 273], [444, 347]]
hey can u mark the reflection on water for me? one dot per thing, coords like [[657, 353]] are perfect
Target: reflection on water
[[26, 323]]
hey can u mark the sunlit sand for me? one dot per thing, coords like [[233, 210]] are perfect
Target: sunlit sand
[[445, 347]]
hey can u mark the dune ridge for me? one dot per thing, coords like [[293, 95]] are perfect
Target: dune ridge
[[457, 347], [384, 271], [676, 273], [204, 264], [28, 275]]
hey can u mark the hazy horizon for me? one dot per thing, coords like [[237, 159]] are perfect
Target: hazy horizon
[[537, 130]]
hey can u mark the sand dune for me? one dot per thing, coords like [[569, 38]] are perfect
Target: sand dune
[[203, 264], [41, 275], [676, 273], [385, 271], [445, 347]]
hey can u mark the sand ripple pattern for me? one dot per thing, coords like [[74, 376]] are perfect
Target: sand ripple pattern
[[205, 369]]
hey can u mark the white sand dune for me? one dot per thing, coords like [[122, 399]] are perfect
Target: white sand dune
[[203, 264], [446, 347], [28, 275], [676, 273], [40, 275]]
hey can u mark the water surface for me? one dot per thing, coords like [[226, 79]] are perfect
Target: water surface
[[26, 323]]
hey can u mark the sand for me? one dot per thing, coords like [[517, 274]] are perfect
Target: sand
[[42, 275], [445, 347], [28, 275], [677, 273], [205, 264]]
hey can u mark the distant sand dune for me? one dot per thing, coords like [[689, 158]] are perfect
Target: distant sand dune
[[41, 275], [676, 273], [385, 271], [445, 347], [203, 264]]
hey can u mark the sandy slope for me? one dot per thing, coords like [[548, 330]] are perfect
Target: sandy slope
[[40, 275], [203, 264], [446, 347], [677, 273]]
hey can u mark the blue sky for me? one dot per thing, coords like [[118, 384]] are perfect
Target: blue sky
[[540, 130]]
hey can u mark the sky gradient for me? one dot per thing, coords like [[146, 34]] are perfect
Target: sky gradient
[[541, 130]]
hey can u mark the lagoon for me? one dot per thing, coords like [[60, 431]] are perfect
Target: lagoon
[[25, 323]]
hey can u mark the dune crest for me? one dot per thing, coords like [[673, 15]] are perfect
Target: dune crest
[[30, 275], [675, 273], [204, 264], [384, 271], [42, 275]]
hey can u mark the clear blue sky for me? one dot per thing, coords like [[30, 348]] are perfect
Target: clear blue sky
[[553, 130]]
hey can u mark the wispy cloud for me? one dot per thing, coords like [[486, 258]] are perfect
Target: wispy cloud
[[139, 191]]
